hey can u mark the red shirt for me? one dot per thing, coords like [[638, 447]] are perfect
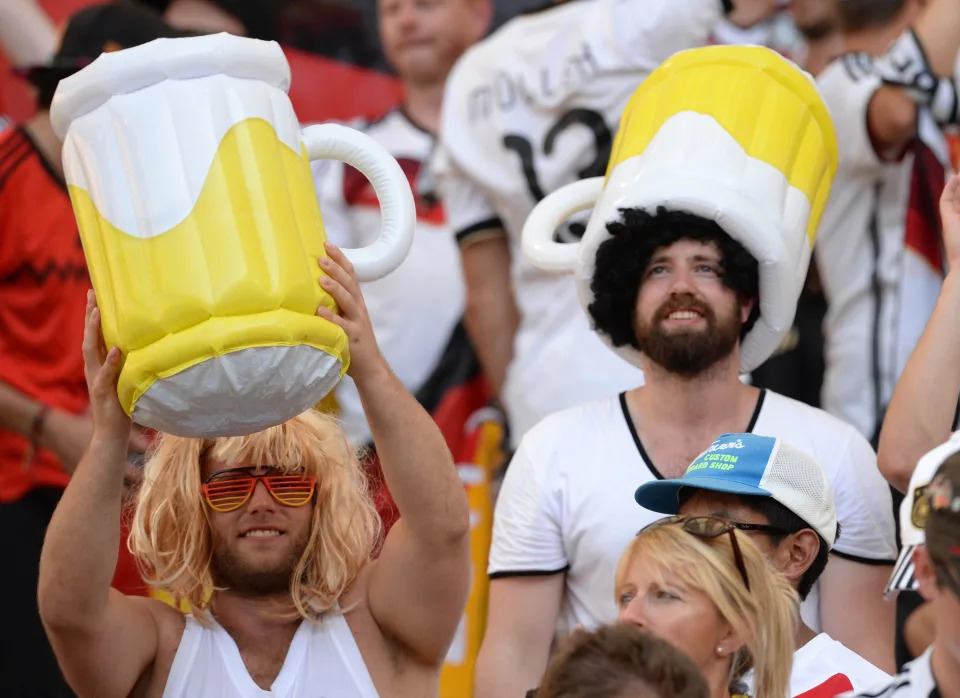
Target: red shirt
[[43, 290]]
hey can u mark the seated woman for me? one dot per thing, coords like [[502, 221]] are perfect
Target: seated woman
[[710, 592]]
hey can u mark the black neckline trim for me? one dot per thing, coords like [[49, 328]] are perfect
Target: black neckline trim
[[43, 160], [639, 444], [756, 411], [636, 438]]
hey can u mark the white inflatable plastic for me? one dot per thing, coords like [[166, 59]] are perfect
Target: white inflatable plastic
[[190, 179], [736, 134]]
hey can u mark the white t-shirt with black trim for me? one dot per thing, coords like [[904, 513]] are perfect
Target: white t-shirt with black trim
[[531, 108], [567, 500], [915, 681], [824, 668], [878, 248]]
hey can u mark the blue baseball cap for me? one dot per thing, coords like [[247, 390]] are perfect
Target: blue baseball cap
[[761, 466]]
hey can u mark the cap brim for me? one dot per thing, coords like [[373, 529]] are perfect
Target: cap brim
[[903, 577], [662, 496]]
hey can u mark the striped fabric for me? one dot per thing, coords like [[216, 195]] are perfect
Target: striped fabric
[[915, 681]]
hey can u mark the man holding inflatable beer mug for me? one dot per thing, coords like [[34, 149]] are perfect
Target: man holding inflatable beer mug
[[223, 329]]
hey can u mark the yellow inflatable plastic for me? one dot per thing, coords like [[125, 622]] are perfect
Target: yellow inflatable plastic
[[190, 178], [737, 134]]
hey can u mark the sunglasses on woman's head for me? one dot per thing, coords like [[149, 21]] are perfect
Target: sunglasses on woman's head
[[228, 490], [712, 527]]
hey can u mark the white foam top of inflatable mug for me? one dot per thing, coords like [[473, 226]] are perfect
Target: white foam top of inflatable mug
[[132, 69]]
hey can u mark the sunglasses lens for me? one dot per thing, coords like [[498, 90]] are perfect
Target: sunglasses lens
[[706, 526], [291, 490], [228, 494]]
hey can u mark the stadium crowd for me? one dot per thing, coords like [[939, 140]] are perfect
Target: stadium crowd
[[685, 501]]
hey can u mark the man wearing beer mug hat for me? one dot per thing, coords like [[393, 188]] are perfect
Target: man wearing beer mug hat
[[280, 581], [690, 267]]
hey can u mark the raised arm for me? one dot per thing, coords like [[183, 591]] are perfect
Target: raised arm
[[91, 626], [418, 586], [892, 112], [27, 35], [921, 411]]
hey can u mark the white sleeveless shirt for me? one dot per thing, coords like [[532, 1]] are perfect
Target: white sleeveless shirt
[[323, 662]]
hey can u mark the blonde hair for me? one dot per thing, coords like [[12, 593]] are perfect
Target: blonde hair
[[170, 533], [764, 617]]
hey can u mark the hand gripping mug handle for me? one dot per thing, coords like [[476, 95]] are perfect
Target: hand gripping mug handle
[[538, 243], [397, 208]]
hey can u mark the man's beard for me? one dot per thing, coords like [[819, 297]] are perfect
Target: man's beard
[[231, 572], [688, 351]]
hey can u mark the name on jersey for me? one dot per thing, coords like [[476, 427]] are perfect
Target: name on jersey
[[506, 90]]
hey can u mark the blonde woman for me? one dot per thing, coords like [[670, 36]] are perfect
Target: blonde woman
[[710, 592], [270, 537]]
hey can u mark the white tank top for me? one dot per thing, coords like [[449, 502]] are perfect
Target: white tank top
[[323, 662]]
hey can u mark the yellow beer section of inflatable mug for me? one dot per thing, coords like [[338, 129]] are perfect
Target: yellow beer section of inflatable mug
[[239, 271], [781, 119]]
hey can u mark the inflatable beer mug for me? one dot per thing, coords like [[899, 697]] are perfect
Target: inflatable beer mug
[[736, 134], [190, 179]]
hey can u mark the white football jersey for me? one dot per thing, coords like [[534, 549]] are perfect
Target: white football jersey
[[877, 250], [531, 108], [824, 668], [567, 501], [915, 681], [415, 308]]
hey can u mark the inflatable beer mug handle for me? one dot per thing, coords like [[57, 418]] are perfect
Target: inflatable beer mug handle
[[548, 215], [397, 208]]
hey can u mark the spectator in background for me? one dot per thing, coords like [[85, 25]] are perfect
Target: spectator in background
[[914, 617], [781, 498], [533, 107], [706, 589], [258, 19], [937, 567], [924, 403], [819, 24], [878, 250], [920, 416], [45, 425], [27, 34], [620, 661], [677, 287], [417, 309]]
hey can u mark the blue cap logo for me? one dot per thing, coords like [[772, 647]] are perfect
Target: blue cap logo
[[733, 463]]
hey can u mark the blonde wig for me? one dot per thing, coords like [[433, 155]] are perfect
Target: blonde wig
[[764, 617], [170, 534]]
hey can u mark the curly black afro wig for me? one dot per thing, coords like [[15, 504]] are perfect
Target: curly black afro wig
[[622, 260]]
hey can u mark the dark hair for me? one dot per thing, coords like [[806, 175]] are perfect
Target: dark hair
[[622, 260], [857, 15], [778, 515], [614, 659]]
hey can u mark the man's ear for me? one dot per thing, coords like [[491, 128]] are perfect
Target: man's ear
[[924, 573], [796, 554], [746, 307]]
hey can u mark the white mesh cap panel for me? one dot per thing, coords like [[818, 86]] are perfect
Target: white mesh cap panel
[[799, 483]]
